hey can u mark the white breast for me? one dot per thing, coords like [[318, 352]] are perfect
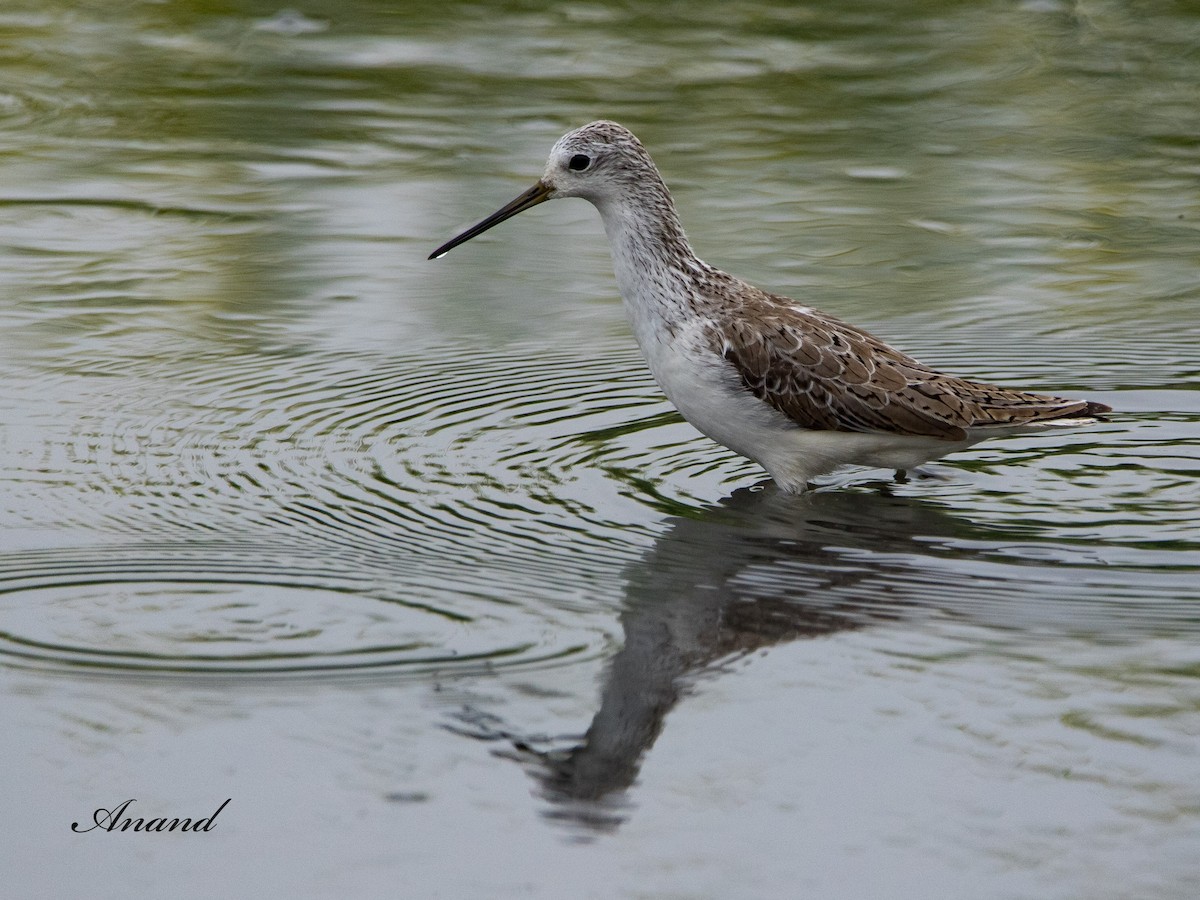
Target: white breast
[[706, 389]]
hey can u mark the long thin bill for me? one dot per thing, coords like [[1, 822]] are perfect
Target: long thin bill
[[532, 197]]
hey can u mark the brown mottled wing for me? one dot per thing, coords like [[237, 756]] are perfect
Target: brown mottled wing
[[827, 375]]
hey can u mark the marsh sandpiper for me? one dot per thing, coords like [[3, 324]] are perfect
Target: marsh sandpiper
[[798, 391]]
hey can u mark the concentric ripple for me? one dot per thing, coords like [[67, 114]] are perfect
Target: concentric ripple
[[257, 609], [449, 510], [320, 514]]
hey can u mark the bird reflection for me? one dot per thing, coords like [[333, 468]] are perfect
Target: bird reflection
[[759, 569]]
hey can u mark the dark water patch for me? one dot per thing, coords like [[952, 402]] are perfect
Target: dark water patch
[[123, 204]]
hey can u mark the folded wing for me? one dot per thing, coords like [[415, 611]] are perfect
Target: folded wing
[[825, 374]]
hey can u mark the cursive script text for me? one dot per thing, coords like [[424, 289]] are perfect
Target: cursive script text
[[110, 820]]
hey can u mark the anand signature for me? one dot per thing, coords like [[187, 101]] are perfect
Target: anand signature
[[111, 820]]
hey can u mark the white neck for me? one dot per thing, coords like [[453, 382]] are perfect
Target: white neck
[[652, 259]]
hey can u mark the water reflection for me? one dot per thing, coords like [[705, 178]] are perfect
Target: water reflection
[[245, 428], [762, 568], [759, 569]]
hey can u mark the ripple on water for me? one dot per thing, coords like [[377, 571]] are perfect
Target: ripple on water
[[451, 509], [302, 607], [320, 513]]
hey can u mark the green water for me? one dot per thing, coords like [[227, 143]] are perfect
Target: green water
[[412, 561]]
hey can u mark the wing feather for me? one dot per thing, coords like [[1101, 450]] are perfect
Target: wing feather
[[825, 374]]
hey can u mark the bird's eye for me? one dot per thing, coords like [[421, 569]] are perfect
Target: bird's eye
[[579, 162]]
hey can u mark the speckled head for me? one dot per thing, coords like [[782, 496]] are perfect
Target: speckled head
[[596, 160], [601, 162]]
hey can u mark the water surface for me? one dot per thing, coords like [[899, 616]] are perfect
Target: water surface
[[413, 561]]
